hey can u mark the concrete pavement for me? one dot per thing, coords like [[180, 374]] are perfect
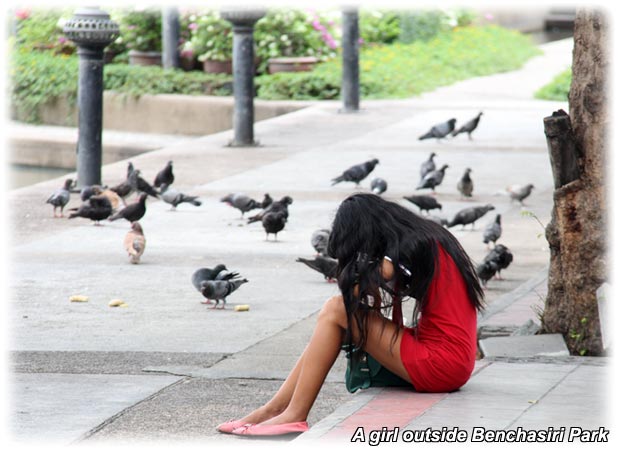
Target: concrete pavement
[[180, 368]]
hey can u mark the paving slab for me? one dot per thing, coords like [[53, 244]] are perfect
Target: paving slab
[[522, 346]]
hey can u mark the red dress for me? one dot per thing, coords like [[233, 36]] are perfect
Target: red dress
[[440, 356]]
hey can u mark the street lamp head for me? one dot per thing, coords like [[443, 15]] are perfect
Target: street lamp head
[[91, 27]]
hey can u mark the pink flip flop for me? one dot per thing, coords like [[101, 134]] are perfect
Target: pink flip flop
[[230, 426], [271, 430]]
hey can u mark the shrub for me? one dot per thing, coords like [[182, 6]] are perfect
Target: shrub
[[211, 37], [41, 29], [141, 30], [558, 89], [381, 27]]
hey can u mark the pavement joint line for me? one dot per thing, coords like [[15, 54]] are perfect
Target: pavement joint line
[[124, 411], [532, 405], [513, 296]]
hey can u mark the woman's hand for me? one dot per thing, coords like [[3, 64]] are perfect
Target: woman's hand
[[387, 270]]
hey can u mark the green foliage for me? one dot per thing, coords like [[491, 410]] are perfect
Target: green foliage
[[41, 29], [141, 30], [558, 89], [211, 37], [404, 70], [38, 78], [427, 24], [381, 27]]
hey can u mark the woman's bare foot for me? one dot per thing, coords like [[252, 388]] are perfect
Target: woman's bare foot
[[285, 417]]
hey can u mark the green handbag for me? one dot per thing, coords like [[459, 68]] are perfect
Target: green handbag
[[368, 372]]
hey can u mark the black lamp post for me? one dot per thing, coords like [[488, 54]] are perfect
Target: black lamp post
[[92, 30], [243, 22], [350, 85]]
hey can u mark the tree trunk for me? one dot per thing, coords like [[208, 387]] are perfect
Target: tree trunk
[[576, 233]]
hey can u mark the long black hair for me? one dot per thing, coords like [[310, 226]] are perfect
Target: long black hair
[[367, 228]]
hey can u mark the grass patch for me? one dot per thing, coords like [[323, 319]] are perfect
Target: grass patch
[[557, 89], [404, 70]]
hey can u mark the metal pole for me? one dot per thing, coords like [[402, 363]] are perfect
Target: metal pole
[[350, 83], [92, 30], [90, 106], [171, 34], [243, 71]]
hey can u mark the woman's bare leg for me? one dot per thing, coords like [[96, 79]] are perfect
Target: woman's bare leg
[[298, 393]]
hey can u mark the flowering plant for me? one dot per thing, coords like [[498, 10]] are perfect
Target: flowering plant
[[141, 30], [211, 37]]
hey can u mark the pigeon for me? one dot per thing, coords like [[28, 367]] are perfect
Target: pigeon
[[493, 231], [319, 241], [424, 202], [165, 176], [113, 198], [280, 205], [175, 198], [88, 191], [470, 215], [519, 193], [378, 186], [500, 255], [130, 169], [96, 208], [220, 289], [266, 201], [356, 173], [428, 166], [141, 185], [273, 222], [465, 186], [133, 212], [135, 243], [432, 179], [439, 220], [469, 126], [325, 265], [486, 271], [123, 190], [242, 202], [61, 197], [440, 131], [219, 272]]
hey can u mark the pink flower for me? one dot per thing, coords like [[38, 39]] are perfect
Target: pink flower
[[62, 40], [22, 13], [489, 16], [193, 26], [361, 41], [317, 25]]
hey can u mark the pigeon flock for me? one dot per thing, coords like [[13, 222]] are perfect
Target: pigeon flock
[[128, 200]]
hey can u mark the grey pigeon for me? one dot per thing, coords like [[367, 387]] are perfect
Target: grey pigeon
[[500, 255], [465, 186], [325, 265], [520, 193], [61, 197], [440, 130], [241, 202], [378, 186], [432, 179], [280, 205], [130, 169], [428, 166], [165, 176], [139, 184], [175, 198], [133, 212], [219, 272], [123, 190], [319, 241], [88, 191], [486, 271], [493, 231], [424, 202], [469, 126], [96, 208], [273, 222], [266, 201], [356, 173], [219, 290], [470, 215], [439, 220]]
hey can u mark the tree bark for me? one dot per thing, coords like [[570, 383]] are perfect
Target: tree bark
[[577, 231]]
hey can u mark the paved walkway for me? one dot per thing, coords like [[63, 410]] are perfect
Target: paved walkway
[[167, 368]]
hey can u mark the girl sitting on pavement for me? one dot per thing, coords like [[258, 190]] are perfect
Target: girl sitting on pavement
[[385, 254]]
